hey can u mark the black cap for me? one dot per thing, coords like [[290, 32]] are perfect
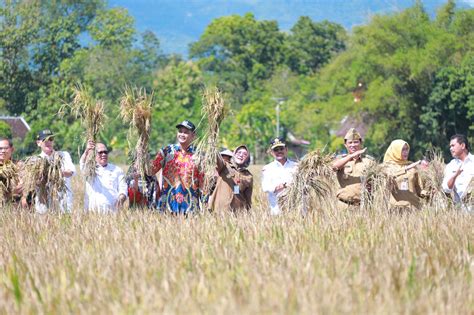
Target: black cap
[[44, 134], [277, 142], [186, 124]]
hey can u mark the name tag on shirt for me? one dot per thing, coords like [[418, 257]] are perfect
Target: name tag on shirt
[[404, 185], [236, 189]]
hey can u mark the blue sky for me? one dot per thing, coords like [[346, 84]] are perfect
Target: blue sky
[[180, 22]]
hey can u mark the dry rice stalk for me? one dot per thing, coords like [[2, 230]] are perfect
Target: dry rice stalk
[[8, 180], [432, 178], [43, 176], [376, 194], [92, 115], [135, 109], [313, 180], [214, 109]]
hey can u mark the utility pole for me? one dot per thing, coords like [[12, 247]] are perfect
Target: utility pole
[[279, 100]]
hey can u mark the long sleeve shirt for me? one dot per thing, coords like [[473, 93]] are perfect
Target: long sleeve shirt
[[461, 183], [274, 174], [103, 193]]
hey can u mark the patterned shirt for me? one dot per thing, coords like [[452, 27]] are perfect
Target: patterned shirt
[[182, 180]]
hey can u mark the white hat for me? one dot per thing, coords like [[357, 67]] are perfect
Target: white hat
[[227, 152]]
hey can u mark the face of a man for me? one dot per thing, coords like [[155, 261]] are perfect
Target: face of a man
[[102, 154], [405, 152], [280, 153], [46, 145], [456, 148], [185, 137], [5, 151], [353, 145]]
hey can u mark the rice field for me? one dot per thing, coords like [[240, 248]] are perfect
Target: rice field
[[328, 262]]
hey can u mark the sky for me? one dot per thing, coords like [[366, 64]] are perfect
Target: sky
[[177, 23]]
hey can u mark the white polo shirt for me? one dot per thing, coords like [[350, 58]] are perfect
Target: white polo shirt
[[274, 174], [103, 193], [463, 180]]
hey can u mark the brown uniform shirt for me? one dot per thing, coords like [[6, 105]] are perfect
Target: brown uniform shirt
[[225, 196], [407, 187], [349, 178]]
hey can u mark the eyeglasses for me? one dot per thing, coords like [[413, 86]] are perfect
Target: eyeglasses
[[103, 152]]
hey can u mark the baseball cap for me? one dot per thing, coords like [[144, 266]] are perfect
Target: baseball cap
[[186, 124], [44, 134]]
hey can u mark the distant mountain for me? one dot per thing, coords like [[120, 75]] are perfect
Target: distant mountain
[[177, 23]]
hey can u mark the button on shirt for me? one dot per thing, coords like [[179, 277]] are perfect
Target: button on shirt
[[275, 174], [103, 193], [462, 181]]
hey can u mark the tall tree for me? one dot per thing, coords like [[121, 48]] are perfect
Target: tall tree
[[311, 45]]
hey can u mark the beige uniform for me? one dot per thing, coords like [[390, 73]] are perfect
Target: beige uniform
[[233, 189], [350, 181], [407, 187]]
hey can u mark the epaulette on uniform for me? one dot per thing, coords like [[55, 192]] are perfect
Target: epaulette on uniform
[[369, 157]]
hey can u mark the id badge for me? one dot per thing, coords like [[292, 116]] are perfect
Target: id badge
[[404, 185], [236, 189]]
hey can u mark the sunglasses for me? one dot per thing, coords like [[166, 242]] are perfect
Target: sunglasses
[[278, 149], [102, 152]]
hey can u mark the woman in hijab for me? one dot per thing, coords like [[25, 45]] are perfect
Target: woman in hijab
[[234, 184], [407, 187]]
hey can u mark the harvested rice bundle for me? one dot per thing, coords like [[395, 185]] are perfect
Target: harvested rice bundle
[[377, 188], [8, 180], [313, 181], [92, 115], [432, 178], [43, 176], [135, 109], [214, 110]]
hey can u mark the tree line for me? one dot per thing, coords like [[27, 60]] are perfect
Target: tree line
[[404, 74]]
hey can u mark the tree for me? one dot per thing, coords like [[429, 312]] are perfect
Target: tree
[[240, 51], [113, 27], [311, 45]]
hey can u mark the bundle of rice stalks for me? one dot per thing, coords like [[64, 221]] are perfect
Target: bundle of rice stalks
[[214, 109], [8, 181], [92, 115], [313, 181], [43, 177], [432, 179], [376, 187], [135, 109]]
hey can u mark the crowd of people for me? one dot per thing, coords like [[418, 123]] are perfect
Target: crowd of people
[[178, 188]]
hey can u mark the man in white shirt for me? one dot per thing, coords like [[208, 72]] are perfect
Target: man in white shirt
[[107, 191], [277, 175], [459, 173], [45, 141]]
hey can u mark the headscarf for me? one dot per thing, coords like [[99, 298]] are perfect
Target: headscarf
[[246, 163], [394, 152]]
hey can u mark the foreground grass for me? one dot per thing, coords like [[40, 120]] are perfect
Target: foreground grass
[[325, 263]]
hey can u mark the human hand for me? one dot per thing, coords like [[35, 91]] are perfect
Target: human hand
[[357, 154]]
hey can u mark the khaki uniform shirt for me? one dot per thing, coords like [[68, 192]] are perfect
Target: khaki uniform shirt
[[233, 189], [349, 178], [407, 187]]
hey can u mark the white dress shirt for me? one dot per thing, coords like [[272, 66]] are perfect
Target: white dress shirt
[[65, 202], [103, 194], [274, 174], [462, 181]]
